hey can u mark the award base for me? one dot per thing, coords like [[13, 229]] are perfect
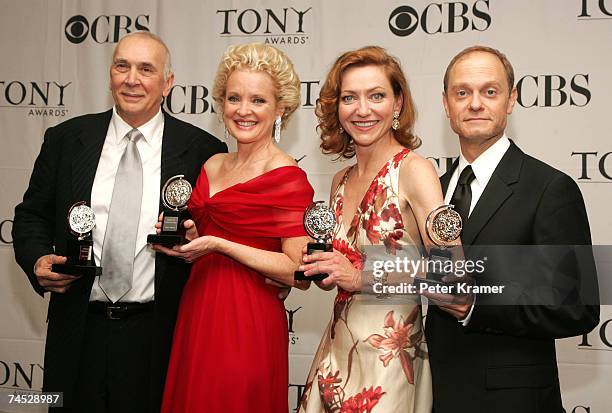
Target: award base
[[80, 259], [311, 249], [423, 284], [171, 233], [167, 240], [438, 259], [77, 269]]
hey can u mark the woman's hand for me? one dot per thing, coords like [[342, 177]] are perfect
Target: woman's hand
[[340, 270], [191, 231], [192, 250]]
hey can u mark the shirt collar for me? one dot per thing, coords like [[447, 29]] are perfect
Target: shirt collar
[[152, 131], [485, 164]]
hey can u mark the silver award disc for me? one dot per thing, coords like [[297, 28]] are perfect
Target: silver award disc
[[81, 219], [443, 225], [176, 193], [319, 220]]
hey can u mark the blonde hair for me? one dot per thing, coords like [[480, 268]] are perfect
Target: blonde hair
[[259, 57]]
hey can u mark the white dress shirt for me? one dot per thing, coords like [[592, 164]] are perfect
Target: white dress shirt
[[149, 148], [483, 168]]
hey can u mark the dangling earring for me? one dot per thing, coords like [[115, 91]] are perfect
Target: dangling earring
[[395, 124], [227, 136], [277, 129], [340, 131]]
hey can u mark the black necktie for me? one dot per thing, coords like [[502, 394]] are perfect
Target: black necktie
[[462, 197]]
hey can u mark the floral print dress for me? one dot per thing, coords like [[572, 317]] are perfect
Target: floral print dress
[[373, 356]]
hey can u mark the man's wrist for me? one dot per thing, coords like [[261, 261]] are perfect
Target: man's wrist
[[465, 321]]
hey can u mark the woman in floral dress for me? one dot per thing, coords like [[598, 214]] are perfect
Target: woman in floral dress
[[373, 356]]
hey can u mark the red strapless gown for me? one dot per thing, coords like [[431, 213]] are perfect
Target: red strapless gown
[[229, 352]]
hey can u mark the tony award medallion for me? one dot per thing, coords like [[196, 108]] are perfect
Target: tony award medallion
[[175, 195], [443, 226], [81, 220], [319, 222]]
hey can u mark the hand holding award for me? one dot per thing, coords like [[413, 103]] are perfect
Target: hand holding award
[[443, 226], [80, 261], [319, 222], [175, 195]]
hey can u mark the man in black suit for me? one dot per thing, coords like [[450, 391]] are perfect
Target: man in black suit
[[109, 352], [501, 358]]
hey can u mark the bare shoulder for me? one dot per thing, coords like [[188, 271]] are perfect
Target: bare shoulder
[[279, 160], [336, 182], [418, 177], [338, 177], [213, 164], [416, 168]]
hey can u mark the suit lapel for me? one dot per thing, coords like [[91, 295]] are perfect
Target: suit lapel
[[497, 191], [174, 145], [445, 179], [85, 161]]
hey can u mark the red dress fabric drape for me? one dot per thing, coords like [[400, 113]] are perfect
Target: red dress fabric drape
[[230, 344]]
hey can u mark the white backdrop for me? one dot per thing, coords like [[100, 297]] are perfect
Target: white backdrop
[[54, 66]]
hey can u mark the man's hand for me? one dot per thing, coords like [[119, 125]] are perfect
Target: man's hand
[[459, 311], [284, 291], [457, 305], [49, 280]]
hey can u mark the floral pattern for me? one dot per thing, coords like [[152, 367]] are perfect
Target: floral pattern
[[343, 297], [335, 401], [366, 349], [363, 402], [399, 342], [378, 213]]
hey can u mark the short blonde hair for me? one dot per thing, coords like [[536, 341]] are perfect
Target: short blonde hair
[[260, 57]]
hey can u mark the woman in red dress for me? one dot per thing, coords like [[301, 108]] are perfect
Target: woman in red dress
[[230, 344]]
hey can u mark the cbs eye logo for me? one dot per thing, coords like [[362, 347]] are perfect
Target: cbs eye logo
[[403, 21], [436, 18], [77, 28], [103, 29]]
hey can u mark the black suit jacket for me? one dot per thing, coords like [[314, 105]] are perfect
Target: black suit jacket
[[63, 175], [504, 360]]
